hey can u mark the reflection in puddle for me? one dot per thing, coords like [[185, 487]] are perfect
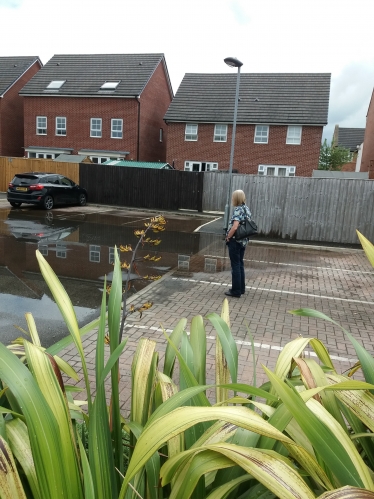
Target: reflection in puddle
[[80, 249]]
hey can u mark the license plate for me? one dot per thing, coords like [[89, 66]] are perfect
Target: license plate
[[23, 189]]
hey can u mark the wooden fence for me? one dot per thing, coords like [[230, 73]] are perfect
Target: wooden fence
[[142, 187], [301, 208], [10, 166]]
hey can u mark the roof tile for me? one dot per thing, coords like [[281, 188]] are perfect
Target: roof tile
[[269, 98]]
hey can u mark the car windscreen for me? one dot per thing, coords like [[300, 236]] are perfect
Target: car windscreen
[[25, 180]]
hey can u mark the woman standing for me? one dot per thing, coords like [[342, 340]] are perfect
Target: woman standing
[[237, 248]]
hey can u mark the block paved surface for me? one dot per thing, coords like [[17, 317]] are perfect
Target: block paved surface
[[338, 282]]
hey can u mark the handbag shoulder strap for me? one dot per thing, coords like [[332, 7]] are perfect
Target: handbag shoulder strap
[[247, 212]]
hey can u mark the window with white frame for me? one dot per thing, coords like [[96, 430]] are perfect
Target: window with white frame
[[109, 85], [43, 248], [183, 262], [44, 155], [117, 129], [111, 255], [277, 170], [41, 125], [294, 135], [96, 127], [161, 134], [191, 132], [210, 265], [55, 84], [261, 134], [60, 125], [95, 253], [60, 250], [100, 159], [200, 166], [220, 133]]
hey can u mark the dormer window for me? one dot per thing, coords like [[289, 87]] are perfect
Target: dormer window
[[55, 84], [109, 85]]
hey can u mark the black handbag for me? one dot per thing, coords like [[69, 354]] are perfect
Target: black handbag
[[247, 228]]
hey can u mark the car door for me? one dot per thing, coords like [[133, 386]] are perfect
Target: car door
[[54, 187], [70, 195]]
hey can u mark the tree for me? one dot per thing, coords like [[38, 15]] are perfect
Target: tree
[[333, 157]]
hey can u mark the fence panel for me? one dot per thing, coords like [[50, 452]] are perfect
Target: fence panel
[[10, 166], [142, 187], [302, 208]]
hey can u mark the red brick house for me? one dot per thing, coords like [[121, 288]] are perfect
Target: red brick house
[[101, 106], [367, 160], [349, 138], [15, 72], [279, 123]]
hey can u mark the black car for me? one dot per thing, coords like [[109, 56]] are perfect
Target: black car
[[44, 189]]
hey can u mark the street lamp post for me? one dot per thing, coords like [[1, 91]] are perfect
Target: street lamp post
[[233, 63]]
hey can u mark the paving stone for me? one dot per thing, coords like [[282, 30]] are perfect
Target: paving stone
[[338, 283]]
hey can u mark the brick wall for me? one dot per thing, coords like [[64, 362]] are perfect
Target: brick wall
[[154, 103], [11, 116], [247, 154], [367, 161], [78, 112]]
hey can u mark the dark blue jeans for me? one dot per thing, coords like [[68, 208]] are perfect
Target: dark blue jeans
[[236, 254]]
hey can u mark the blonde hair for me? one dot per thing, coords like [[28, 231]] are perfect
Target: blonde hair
[[238, 198]]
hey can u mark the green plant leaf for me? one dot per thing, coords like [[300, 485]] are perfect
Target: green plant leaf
[[322, 352], [112, 360], [19, 442], [143, 377], [359, 401], [49, 380], [198, 345], [175, 337], [344, 439], [222, 491], [367, 361], [114, 320], [10, 483], [348, 493], [268, 467], [201, 463], [161, 430], [367, 246], [68, 340], [43, 430], [323, 440], [67, 311], [89, 490], [100, 448], [228, 344]]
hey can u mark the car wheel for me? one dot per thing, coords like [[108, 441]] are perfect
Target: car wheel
[[15, 205], [48, 202], [82, 199], [48, 218]]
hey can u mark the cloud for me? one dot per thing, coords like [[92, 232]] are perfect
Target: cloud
[[350, 95], [240, 13], [10, 4]]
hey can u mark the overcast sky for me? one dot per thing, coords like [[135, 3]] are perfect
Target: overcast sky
[[329, 36]]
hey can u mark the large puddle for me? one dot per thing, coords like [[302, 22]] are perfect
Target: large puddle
[[80, 248]]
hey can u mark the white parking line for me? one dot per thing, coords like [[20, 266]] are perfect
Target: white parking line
[[281, 291], [198, 228], [247, 343], [297, 265]]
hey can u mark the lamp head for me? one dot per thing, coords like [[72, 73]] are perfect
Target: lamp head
[[233, 62]]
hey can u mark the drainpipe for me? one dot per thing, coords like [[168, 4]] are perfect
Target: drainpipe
[[137, 97]]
